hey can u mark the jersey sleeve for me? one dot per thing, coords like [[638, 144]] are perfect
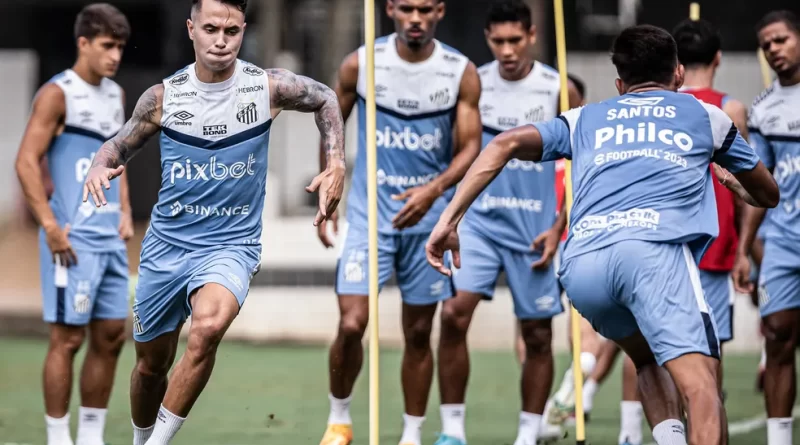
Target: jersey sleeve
[[557, 135], [760, 143], [730, 149]]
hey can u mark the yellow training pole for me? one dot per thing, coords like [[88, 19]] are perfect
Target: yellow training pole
[[766, 71], [372, 219], [561, 52], [694, 11]]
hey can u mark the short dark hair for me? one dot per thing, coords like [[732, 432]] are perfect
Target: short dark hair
[[698, 42], [579, 85], [787, 17], [103, 19], [241, 5], [504, 11], [645, 53]]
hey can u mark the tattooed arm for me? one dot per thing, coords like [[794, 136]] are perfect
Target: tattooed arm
[[289, 91], [109, 162]]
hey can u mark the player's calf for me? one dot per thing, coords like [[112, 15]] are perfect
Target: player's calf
[[65, 341], [537, 377], [781, 333], [695, 375], [417, 368]]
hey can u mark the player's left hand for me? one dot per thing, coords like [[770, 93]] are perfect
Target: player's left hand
[[741, 275], [126, 226], [330, 184], [418, 201], [547, 243], [443, 238], [97, 179]]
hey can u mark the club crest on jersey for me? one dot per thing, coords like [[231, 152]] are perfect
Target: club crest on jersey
[[641, 101], [180, 79], [253, 71], [247, 113]]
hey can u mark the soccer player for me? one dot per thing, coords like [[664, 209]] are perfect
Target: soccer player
[[203, 244], [428, 134], [644, 213], [83, 257], [512, 227], [775, 132]]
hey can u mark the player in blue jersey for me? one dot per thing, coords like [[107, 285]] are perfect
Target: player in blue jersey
[[775, 132], [513, 227], [84, 262], [204, 241], [643, 214], [428, 134]]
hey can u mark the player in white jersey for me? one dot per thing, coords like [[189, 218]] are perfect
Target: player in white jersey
[[428, 124], [84, 263], [203, 244], [775, 132], [514, 227]]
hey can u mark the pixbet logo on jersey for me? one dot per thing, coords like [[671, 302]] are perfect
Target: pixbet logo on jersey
[[213, 169], [409, 140]]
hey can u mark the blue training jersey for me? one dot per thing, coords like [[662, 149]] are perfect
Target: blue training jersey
[[521, 202], [640, 168], [774, 125], [415, 117], [214, 142], [94, 114]]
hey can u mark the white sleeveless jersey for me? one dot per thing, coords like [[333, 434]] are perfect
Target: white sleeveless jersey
[[521, 202], [415, 117], [214, 142], [94, 114]]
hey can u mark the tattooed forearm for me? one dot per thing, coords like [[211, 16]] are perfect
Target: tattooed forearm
[[292, 92], [144, 123]]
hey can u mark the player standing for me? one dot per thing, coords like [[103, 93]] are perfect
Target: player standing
[[428, 134], [643, 214], [775, 132], [512, 227], [83, 257], [204, 241]]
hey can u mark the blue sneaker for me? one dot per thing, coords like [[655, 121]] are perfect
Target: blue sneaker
[[449, 440]]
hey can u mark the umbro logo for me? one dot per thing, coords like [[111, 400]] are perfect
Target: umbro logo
[[641, 101]]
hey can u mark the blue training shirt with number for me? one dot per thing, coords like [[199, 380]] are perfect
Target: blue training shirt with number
[[640, 168]]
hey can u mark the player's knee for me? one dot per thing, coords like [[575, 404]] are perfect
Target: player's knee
[[455, 322], [353, 325], [67, 340], [206, 333], [109, 340], [702, 387], [418, 335], [538, 336], [153, 365]]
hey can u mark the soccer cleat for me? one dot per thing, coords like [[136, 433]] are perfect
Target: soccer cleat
[[560, 411], [550, 434], [449, 440], [338, 435]]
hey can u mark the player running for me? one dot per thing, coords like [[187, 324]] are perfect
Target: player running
[[512, 227], [83, 257], [775, 132], [204, 241], [428, 134], [643, 214]]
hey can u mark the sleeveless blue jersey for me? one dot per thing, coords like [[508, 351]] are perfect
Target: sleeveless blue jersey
[[415, 116], [640, 168], [775, 133], [521, 202], [94, 114], [214, 159]]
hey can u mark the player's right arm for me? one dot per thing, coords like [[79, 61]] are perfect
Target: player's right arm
[[347, 94], [49, 111], [110, 160]]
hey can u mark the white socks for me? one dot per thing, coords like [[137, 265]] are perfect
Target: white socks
[[589, 390], [58, 430], [670, 432], [91, 423], [588, 362], [453, 420], [167, 425], [340, 411], [779, 431], [140, 435], [631, 423], [412, 430], [528, 428]]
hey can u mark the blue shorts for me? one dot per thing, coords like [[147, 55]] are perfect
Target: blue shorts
[[94, 289], [419, 283], [779, 280], [643, 286], [718, 288], [168, 275], [536, 293]]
